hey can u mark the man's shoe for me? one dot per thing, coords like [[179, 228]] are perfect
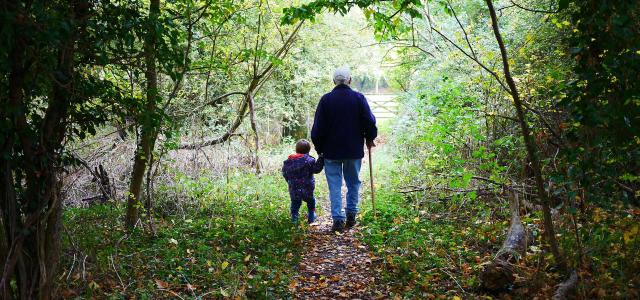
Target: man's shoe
[[351, 220], [338, 226]]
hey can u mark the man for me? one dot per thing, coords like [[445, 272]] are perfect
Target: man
[[342, 124]]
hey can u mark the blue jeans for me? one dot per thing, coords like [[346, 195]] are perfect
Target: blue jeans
[[311, 209], [335, 170]]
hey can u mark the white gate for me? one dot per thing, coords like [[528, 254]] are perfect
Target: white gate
[[383, 106]]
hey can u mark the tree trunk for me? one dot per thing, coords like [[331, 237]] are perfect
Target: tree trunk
[[530, 145], [8, 199], [148, 118], [31, 208]]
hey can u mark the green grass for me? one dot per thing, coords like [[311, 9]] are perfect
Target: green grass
[[223, 241], [433, 250]]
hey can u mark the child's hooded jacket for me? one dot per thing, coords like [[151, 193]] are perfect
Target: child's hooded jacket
[[298, 171]]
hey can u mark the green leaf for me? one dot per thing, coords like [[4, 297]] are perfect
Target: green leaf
[[563, 4]]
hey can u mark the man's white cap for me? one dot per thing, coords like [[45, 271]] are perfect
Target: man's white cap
[[341, 75]]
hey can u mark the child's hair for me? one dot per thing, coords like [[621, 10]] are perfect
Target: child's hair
[[303, 146]]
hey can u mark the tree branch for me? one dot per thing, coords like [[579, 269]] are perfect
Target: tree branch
[[494, 74]]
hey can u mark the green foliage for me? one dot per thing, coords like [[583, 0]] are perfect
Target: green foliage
[[603, 99], [423, 250], [232, 242], [611, 238], [383, 15], [442, 139]]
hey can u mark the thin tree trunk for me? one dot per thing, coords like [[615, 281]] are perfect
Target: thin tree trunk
[[532, 151], [148, 127], [255, 131]]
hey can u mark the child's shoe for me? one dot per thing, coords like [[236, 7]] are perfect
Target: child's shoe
[[312, 217]]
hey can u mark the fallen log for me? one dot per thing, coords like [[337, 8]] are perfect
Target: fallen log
[[566, 287], [500, 273], [92, 199]]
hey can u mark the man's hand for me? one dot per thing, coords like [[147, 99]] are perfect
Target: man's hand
[[371, 144]]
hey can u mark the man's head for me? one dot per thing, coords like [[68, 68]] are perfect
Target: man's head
[[303, 146], [342, 76]]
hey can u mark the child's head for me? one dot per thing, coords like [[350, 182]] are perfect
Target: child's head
[[303, 146]]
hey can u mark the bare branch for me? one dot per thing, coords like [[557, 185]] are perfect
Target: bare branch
[[494, 74]]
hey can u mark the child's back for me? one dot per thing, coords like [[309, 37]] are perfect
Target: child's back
[[298, 171]]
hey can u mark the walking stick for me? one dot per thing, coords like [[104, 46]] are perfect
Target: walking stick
[[373, 190]]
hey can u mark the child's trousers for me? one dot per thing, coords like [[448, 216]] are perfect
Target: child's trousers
[[311, 209]]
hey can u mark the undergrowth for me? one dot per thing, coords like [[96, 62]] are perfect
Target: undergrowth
[[433, 250], [214, 239], [429, 247]]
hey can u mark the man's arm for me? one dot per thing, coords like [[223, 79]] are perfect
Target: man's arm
[[317, 131], [368, 121]]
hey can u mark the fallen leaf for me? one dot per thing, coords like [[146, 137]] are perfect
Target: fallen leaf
[[224, 292], [162, 284], [93, 285]]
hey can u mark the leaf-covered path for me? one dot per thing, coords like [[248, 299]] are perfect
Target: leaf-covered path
[[335, 266]]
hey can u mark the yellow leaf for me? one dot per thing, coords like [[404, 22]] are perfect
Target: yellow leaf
[[293, 284], [416, 220], [224, 265], [631, 234], [247, 258], [93, 285], [456, 298]]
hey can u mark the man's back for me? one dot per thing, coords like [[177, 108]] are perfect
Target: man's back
[[342, 122]]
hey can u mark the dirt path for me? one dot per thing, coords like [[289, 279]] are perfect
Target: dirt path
[[334, 266]]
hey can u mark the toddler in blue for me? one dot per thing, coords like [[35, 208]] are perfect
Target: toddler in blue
[[298, 171]]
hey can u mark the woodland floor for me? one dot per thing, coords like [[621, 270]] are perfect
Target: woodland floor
[[335, 265]]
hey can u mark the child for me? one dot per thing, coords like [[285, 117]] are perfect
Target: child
[[298, 170]]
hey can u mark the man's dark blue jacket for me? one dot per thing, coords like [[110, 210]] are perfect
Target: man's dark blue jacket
[[342, 123]]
